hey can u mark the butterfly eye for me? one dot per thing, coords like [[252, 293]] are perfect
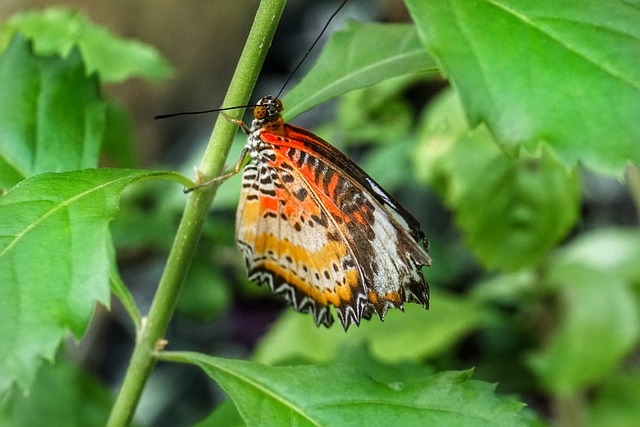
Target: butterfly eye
[[260, 112]]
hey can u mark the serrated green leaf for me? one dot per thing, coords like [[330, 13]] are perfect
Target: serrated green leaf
[[513, 211], [63, 396], [52, 117], [59, 30], [340, 395], [544, 73], [356, 57], [599, 325], [414, 335], [55, 253]]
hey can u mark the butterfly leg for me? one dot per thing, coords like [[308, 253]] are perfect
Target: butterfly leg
[[246, 130], [238, 122], [221, 177]]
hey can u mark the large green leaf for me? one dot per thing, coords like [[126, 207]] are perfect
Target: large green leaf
[[58, 30], [340, 395], [55, 256], [356, 57], [600, 317], [511, 210], [562, 74], [413, 335], [51, 115]]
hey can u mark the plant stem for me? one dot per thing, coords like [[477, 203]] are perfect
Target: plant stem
[[154, 326]]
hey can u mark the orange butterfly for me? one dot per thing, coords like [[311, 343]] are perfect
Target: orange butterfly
[[319, 231]]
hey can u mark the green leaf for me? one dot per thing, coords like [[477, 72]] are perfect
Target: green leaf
[[600, 317], [63, 396], [119, 144], [614, 251], [59, 30], [120, 291], [55, 256], [225, 414], [616, 403], [358, 56], [512, 211], [339, 395], [414, 335], [379, 113], [560, 74], [515, 289], [205, 293], [51, 115]]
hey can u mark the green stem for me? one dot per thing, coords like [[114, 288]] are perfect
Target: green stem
[[155, 324]]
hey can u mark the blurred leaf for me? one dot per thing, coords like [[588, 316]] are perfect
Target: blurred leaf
[[330, 395], [414, 335], [59, 30], [614, 251], [55, 256], [142, 228], [378, 113], [599, 326], [544, 73], [512, 211], [510, 288], [601, 323], [356, 57], [118, 137], [616, 403], [63, 395], [51, 115], [377, 162], [205, 293]]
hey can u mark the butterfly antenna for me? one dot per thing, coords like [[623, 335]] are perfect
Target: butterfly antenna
[[326, 25], [311, 48], [186, 113]]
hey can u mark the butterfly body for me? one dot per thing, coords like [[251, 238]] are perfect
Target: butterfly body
[[319, 231]]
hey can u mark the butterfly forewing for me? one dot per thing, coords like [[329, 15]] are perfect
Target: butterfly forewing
[[285, 239]]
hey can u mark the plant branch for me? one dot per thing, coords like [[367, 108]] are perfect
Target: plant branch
[[154, 326]]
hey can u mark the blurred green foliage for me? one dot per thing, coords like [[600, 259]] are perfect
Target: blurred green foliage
[[524, 289]]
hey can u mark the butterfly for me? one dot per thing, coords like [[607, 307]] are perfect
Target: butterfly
[[319, 231]]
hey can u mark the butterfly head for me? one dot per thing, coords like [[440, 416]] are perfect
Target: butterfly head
[[268, 108], [267, 115]]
